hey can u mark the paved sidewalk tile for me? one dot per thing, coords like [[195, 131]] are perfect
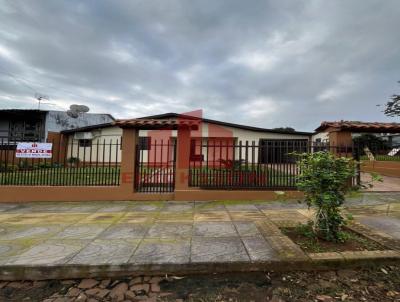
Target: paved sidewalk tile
[[179, 207], [212, 216], [209, 206], [247, 228], [11, 232], [227, 249], [156, 251], [50, 252], [10, 249], [241, 207], [387, 224], [116, 251], [113, 208], [81, 231], [146, 207], [139, 217], [214, 229], [100, 217], [259, 249], [125, 231], [170, 230], [90, 233]]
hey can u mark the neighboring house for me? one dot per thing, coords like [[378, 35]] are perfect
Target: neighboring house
[[26, 125], [356, 128], [213, 132]]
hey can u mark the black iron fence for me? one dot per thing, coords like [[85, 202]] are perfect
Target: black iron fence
[[72, 163], [214, 163], [269, 164], [155, 165], [379, 151]]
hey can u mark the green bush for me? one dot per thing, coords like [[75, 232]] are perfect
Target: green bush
[[325, 179], [24, 164], [73, 161]]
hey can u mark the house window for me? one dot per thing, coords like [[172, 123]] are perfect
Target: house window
[[28, 131], [144, 143], [279, 151], [85, 143]]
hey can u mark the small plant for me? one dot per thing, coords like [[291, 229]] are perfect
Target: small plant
[[325, 179], [73, 161], [307, 230], [24, 164]]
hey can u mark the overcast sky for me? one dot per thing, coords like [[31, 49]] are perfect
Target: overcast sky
[[262, 63]]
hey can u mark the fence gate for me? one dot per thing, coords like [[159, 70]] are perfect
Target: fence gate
[[155, 165]]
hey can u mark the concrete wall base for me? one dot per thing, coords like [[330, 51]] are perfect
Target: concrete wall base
[[50, 193]]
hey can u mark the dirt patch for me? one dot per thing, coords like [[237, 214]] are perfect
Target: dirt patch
[[313, 244], [30, 291], [381, 283], [378, 284]]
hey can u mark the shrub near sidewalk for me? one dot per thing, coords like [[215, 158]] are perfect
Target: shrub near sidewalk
[[324, 179]]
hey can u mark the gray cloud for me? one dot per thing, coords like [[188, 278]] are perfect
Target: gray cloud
[[263, 63]]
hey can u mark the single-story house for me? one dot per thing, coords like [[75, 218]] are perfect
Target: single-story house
[[104, 139]]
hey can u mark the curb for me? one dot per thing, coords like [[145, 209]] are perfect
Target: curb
[[318, 261]]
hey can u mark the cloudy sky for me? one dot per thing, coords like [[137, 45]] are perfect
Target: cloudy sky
[[263, 63]]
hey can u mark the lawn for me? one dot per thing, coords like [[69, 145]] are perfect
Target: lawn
[[60, 176], [281, 176]]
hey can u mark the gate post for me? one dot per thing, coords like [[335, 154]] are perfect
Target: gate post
[[182, 159], [130, 137]]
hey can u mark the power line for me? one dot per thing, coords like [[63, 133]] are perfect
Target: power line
[[18, 80]]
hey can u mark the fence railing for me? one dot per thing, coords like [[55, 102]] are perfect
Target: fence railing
[[247, 165], [383, 151], [73, 163], [155, 166], [214, 164]]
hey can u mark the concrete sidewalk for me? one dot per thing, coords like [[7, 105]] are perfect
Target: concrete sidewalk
[[103, 238]]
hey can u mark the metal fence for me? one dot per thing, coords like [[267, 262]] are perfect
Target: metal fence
[[73, 163], [270, 164], [379, 151], [155, 166]]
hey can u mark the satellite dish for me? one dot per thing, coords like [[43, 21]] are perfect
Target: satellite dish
[[83, 108], [72, 114], [79, 108], [75, 110]]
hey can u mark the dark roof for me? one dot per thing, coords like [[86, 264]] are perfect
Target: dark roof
[[357, 126], [244, 127], [88, 128], [23, 110], [150, 123], [144, 123]]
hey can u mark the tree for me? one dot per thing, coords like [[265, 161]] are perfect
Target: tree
[[285, 129], [368, 139], [392, 107], [324, 179]]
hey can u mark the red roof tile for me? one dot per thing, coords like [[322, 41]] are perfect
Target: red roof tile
[[157, 123], [357, 126]]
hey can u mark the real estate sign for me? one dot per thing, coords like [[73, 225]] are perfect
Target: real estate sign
[[34, 150]]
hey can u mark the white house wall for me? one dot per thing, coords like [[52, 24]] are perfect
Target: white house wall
[[102, 138], [324, 136], [113, 134]]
